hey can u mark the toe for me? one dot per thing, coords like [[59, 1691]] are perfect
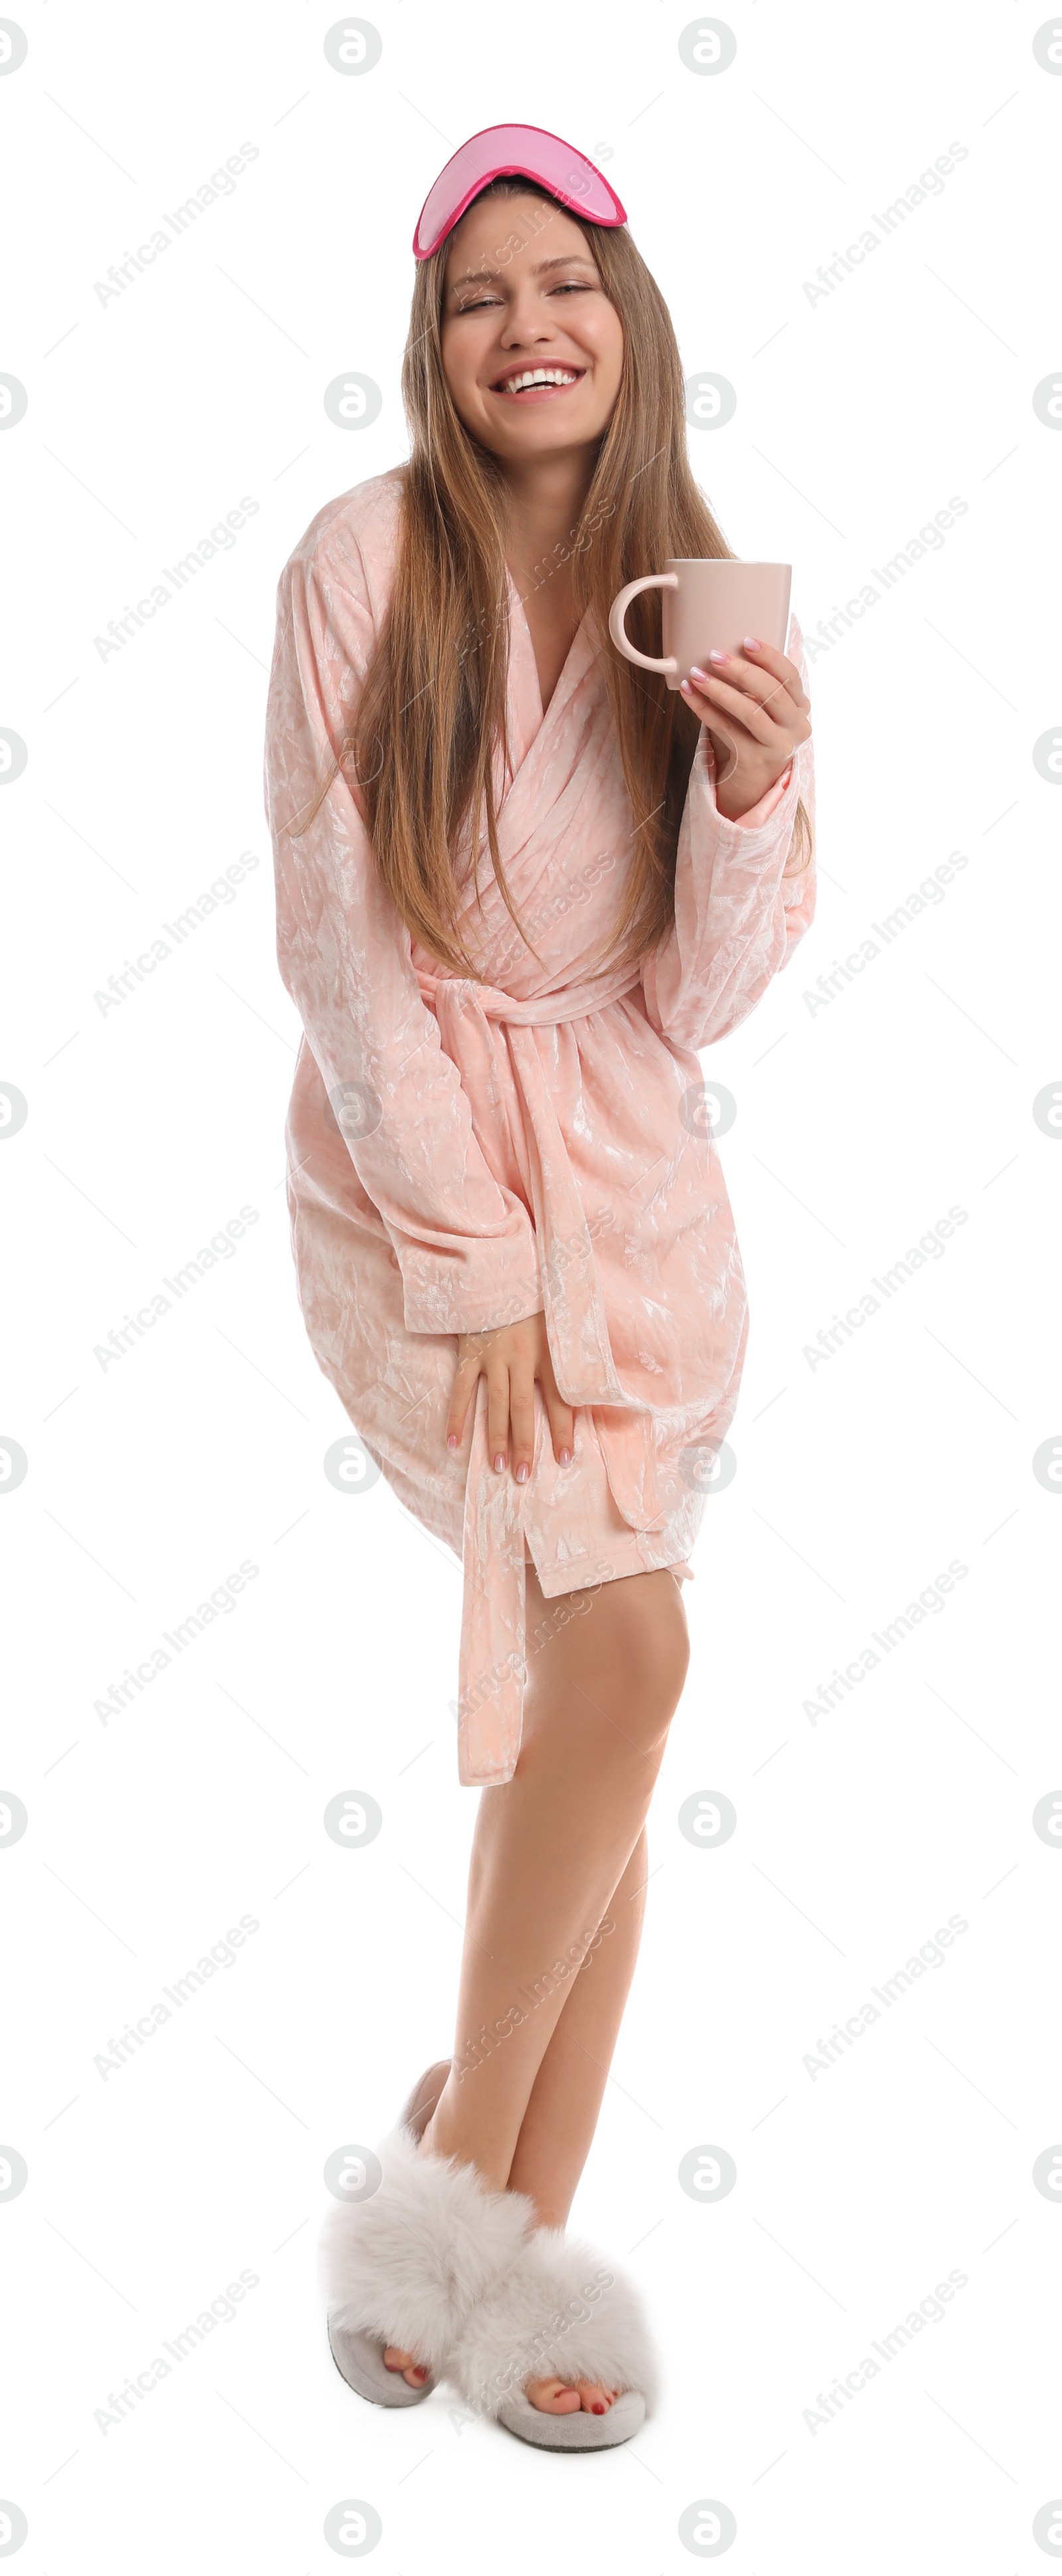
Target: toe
[[592, 2399], [411, 2370], [552, 2396]]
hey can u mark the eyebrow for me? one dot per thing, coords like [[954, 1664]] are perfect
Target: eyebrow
[[476, 276]]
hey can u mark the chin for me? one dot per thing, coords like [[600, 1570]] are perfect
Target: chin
[[571, 431]]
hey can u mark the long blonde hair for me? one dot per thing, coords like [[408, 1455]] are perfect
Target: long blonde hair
[[432, 710]]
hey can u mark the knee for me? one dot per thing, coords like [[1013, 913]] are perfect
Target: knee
[[652, 1656], [663, 1691]]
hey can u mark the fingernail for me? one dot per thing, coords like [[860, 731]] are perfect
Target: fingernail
[[752, 644], [684, 684], [522, 1472], [451, 1440], [565, 1457], [499, 1463], [718, 657]]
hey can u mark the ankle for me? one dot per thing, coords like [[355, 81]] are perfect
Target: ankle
[[443, 2136], [544, 2216]]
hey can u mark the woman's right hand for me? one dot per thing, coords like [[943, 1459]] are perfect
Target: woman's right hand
[[510, 1358]]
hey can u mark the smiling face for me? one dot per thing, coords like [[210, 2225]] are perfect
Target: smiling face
[[532, 347]]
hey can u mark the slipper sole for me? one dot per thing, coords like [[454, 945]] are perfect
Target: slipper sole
[[361, 2363], [579, 2432]]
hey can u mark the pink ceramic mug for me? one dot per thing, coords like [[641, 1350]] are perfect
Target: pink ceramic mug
[[709, 605]]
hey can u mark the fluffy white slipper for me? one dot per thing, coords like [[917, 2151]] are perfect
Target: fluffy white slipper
[[576, 2432], [408, 2266], [359, 2356], [359, 2359], [440, 2265], [557, 2311]]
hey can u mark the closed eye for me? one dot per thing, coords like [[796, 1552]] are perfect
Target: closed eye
[[570, 286]]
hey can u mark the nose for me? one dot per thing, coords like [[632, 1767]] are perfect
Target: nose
[[526, 324]]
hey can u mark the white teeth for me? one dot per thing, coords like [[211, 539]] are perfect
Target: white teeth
[[538, 376]]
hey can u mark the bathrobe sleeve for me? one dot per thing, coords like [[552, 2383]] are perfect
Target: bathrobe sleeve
[[737, 915], [465, 1245]]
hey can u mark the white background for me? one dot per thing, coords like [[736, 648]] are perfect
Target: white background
[[859, 1125]]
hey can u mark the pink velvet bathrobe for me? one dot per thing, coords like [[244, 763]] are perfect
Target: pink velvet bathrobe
[[462, 1153]]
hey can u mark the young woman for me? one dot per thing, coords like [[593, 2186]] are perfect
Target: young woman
[[519, 883]]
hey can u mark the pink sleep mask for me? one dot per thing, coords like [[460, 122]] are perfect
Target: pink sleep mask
[[518, 151]]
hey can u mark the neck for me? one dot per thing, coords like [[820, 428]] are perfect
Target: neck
[[546, 496]]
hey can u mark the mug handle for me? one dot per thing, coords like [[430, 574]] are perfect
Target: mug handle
[[618, 612]]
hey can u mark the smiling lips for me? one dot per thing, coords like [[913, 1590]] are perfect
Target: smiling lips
[[537, 384]]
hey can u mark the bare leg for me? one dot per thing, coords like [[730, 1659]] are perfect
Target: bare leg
[[562, 2114], [551, 1847], [551, 1850]]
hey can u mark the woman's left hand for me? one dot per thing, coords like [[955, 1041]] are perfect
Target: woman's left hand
[[756, 713]]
